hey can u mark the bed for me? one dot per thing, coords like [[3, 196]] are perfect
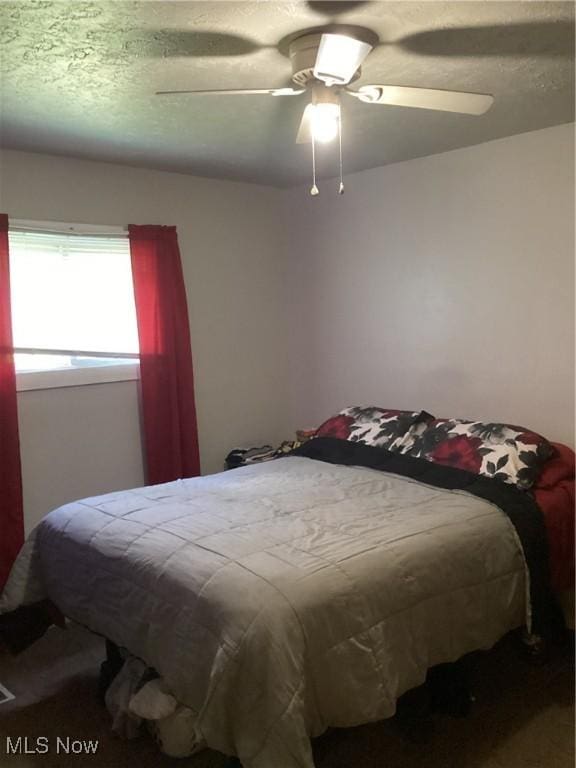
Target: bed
[[277, 600]]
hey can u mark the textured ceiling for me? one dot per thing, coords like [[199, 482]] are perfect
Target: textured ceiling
[[78, 79]]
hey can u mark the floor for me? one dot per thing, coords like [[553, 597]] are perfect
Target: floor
[[522, 717]]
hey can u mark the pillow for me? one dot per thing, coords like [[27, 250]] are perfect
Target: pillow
[[512, 454], [381, 427], [336, 426], [405, 443]]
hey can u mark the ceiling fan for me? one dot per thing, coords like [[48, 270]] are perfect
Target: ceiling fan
[[324, 64]]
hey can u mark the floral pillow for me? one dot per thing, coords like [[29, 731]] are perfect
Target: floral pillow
[[504, 452], [381, 427]]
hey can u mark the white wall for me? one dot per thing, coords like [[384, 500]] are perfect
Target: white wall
[[229, 237], [444, 283], [76, 442]]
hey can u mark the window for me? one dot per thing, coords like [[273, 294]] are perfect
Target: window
[[73, 313]]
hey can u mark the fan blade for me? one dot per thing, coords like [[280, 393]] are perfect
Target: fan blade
[[238, 92], [338, 58], [424, 98], [305, 130]]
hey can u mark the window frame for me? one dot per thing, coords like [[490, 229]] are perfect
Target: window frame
[[74, 377]]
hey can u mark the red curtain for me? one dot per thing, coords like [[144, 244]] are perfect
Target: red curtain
[[167, 383], [11, 511]]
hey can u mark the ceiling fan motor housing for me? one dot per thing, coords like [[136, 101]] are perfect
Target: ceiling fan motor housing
[[303, 53]]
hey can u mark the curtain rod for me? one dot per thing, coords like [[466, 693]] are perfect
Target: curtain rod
[[64, 228]]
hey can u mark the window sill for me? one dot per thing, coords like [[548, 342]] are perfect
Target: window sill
[[76, 377]]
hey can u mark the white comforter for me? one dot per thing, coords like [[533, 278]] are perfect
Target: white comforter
[[279, 599]]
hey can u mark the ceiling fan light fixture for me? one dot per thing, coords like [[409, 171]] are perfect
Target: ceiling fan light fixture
[[324, 120], [338, 59]]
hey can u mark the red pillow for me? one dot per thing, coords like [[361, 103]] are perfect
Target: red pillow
[[559, 467]]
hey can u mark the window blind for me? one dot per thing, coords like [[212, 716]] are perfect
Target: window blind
[[72, 292]]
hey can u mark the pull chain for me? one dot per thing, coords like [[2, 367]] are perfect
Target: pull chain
[[341, 186], [314, 189]]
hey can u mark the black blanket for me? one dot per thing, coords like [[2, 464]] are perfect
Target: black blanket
[[519, 506]]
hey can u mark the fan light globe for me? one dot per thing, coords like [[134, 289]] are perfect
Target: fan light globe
[[324, 121]]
